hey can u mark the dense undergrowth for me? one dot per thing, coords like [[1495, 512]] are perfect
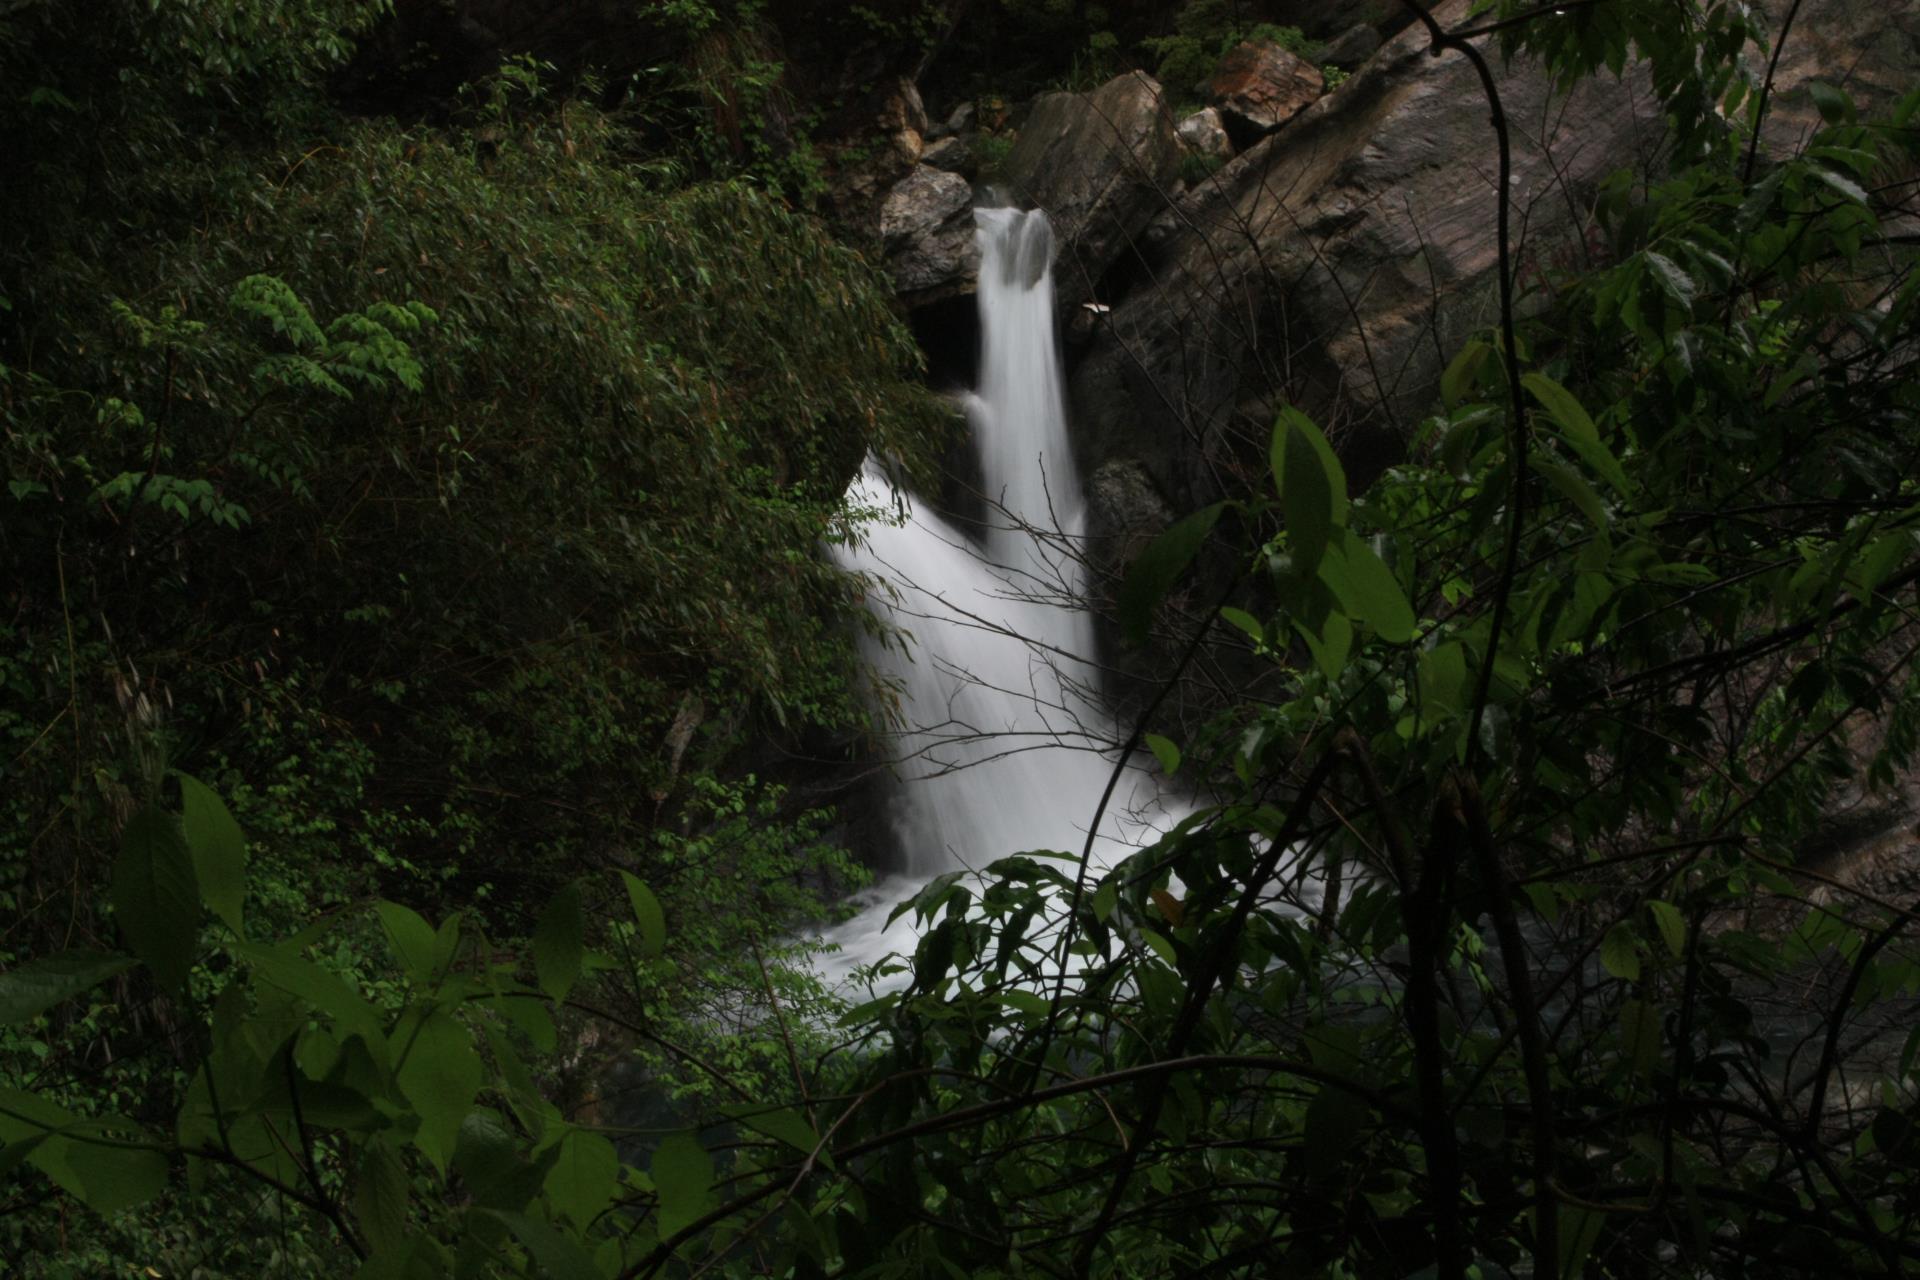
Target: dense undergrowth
[[450, 497], [445, 499]]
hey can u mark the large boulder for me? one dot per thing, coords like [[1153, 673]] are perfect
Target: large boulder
[[1101, 165], [926, 234], [1869, 48], [1204, 134], [1260, 86], [1340, 262]]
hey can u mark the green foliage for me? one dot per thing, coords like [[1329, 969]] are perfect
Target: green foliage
[[1502, 939], [1204, 31]]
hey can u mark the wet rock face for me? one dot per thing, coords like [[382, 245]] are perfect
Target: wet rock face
[[926, 234], [1868, 48], [951, 154], [1338, 264], [1260, 86], [1101, 165]]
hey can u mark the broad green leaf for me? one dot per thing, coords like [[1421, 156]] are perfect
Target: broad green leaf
[[1161, 947], [558, 1257], [324, 991], [95, 1160], [155, 898], [786, 1124], [581, 1182], [683, 1177], [380, 1196], [440, 1075], [412, 939], [1444, 681], [1105, 898], [1368, 588], [1332, 646], [1165, 752], [1832, 103], [30, 989], [1312, 486], [1672, 925], [559, 943], [1156, 569], [219, 851], [647, 915], [1246, 622], [1639, 1035], [1620, 953]]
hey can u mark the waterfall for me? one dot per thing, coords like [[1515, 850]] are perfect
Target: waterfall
[[1003, 747]]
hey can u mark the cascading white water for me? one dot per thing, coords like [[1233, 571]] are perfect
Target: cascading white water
[[1002, 747]]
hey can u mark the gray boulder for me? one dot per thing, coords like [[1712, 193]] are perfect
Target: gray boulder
[[951, 154], [1339, 263], [1353, 46], [1204, 134], [1869, 48], [1101, 165], [926, 235]]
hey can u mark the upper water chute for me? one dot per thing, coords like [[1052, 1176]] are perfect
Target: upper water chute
[[1002, 746]]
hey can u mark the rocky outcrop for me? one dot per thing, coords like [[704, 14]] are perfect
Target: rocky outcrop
[[1260, 86], [951, 154], [1869, 48], [1326, 19], [1101, 165], [1353, 46], [1203, 134], [926, 235], [1340, 262]]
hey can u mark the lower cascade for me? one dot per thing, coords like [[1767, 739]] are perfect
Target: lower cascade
[[1002, 745]]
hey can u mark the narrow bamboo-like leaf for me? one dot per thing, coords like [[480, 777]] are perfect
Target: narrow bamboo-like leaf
[[219, 851], [1461, 372], [559, 943], [1155, 570], [1165, 752], [647, 915], [30, 989], [1561, 406], [1672, 279], [155, 897], [1574, 490], [1374, 593], [1312, 486]]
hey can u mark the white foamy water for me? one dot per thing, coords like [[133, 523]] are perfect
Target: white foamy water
[[1002, 747]]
